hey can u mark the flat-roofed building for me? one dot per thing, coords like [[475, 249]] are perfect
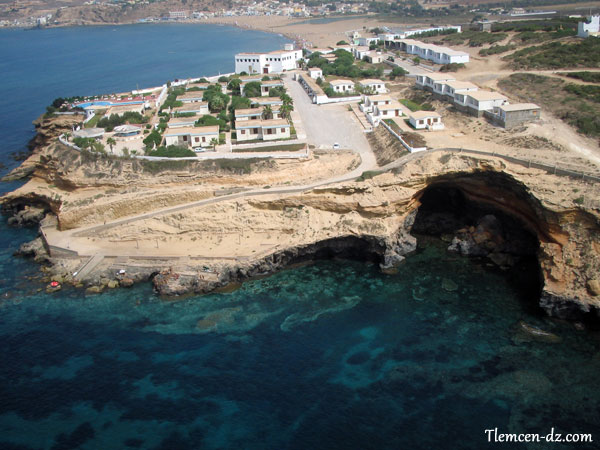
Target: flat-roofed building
[[271, 62], [429, 120], [479, 101], [428, 80], [119, 110], [266, 86], [180, 122], [266, 130], [342, 86], [372, 85], [194, 137], [447, 89], [190, 97], [515, 114], [197, 108]]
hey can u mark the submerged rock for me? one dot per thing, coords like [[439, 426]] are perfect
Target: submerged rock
[[537, 333], [449, 285]]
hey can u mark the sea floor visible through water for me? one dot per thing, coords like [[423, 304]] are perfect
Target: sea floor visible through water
[[333, 355]]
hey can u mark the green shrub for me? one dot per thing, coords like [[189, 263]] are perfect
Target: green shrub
[[172, 151]]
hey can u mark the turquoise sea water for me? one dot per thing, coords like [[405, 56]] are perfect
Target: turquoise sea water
[[333, 355]]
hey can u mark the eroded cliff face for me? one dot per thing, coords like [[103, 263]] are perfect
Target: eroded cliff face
[[374, 218]]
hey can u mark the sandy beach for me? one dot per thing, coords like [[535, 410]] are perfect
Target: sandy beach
[[312, 34]]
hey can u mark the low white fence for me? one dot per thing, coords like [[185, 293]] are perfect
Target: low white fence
[[402, 141]]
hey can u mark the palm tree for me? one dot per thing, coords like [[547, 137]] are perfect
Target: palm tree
[[267, 112], [214, 143], [111, 142]]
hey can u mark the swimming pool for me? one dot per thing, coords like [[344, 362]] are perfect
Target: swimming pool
[[106, 103]]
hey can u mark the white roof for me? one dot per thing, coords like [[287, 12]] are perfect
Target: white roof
[[370, 81], [519, 107], [423, 114], [126, 129], [341, 82], [486, 95]]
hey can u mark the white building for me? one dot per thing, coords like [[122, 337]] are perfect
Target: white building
[[428, 80], [429, 120], [191, 97], [589, 28], [366, 41], [360, 52], [248, 114], [266, 86], [272, 62], [119, 110], [447, 89], [435, 53], [342, 86], [194, 137], [198, 108], [266, 130], [315, 73], [180, 122], [479, 101], [373, 86]]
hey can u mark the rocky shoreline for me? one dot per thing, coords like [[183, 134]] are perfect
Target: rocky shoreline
[[481, 206]]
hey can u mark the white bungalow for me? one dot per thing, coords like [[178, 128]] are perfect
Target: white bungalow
[[360, 52], [119, 110], [315, 73], [266, 86], [389, 110], [248, 114], [371, 101], [429, 120], [267, 130], [180, 122], [428, 80], [342, 86], [374, 57], [194, 137], [480, 101], [198, 108], [266, 101], [190, 97], [449, 88], [374, 86]]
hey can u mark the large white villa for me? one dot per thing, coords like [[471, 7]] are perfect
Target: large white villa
[[271, 62]]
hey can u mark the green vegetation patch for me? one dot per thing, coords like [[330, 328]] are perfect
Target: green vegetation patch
[[109, 123], [474, 38], [414, 106], [590, 77], [496, 49], [172, 151], [556, 55]]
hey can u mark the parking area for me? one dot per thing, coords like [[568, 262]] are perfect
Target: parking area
[[326, 125]]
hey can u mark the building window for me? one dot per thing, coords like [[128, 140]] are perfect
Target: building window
[[203, 139], [242, 131], [283, 130], [197, 139]]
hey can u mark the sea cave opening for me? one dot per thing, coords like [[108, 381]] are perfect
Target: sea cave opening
[[488, 218]]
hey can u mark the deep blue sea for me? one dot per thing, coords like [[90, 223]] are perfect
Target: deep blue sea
[[334, 355]]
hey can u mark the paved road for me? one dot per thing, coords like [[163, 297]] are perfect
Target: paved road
[[328, 124]]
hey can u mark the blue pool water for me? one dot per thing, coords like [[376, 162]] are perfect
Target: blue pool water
[[334, 355], [105, 103]]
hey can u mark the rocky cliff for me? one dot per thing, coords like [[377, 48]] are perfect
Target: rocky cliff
[[482, 206]]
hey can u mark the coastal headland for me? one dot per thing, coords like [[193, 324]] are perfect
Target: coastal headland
[[335, 186], [201, 237]]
